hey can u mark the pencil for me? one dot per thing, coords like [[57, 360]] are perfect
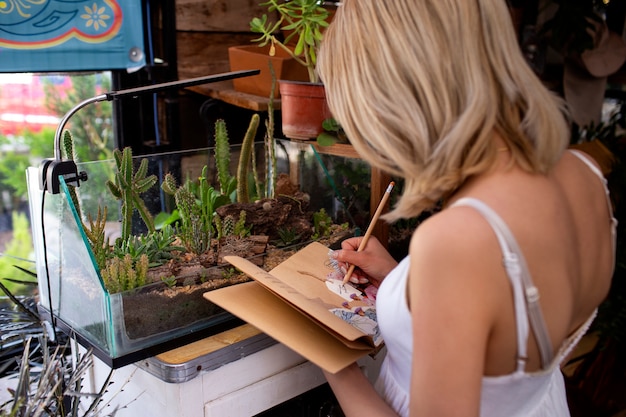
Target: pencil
[[370, 228]]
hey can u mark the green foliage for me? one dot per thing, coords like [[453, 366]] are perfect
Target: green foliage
[[303, 20], [228, 273], [127, 266], [287, 237], [16, 253], [92, 125], [158, 246], [169, 281], [222, 159], [16, 157], [196, 204], [39, 143], [243, 168], [333, 133], [322, 223], [13, 178], [128, 187]]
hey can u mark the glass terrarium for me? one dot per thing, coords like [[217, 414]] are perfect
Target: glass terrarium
[[127, 322]]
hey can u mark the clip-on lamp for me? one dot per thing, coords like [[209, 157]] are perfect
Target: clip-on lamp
[[51, 169]]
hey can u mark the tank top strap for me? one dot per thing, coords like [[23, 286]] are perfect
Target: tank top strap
[[526, 295], [586, 159]]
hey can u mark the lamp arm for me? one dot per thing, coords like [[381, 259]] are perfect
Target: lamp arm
[[135, 92], [51, 169], [63, 122]]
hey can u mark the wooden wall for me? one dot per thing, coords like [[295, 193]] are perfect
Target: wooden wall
[[205, 30]]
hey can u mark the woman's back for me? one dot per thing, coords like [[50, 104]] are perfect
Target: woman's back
[[562, 223]]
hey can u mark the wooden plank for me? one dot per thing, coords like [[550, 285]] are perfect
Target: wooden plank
[[211, 344], [205, 53], [217, 15]]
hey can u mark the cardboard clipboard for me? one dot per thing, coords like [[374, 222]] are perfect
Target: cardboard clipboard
[[291, 303]]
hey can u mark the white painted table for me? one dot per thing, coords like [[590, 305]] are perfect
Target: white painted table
[[243, 387]]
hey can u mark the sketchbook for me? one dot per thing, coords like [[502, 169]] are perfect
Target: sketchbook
[[297, 304]]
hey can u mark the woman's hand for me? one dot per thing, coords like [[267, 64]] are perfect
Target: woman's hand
[[373, 262]]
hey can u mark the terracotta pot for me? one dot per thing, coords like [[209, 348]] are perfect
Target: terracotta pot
[[255, 57], [303, 109]]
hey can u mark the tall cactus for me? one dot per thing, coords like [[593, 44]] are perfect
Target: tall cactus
[[128, 187], [222, 158], [68, 148], [271, 171], [247, 147]]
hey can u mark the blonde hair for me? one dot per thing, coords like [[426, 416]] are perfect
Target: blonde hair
[[421, 86]]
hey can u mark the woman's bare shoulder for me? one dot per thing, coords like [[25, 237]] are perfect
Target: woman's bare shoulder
[[454, 238]]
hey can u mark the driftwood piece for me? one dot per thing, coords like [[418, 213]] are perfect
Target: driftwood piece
[[271, 216], [250, 247]]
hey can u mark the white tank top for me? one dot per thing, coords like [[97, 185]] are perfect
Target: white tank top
[[527, 394]]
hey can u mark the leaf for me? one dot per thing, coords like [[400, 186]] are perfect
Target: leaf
[[163, 219], [299, 46], [331, 125], [326, 139]]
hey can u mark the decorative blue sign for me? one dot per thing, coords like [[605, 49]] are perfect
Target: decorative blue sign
[[70, 35]]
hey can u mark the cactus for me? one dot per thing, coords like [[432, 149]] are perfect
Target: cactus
[[196, 211], [271, 171], [247, 148], [128, 186], [219, 227], [95, 235], [240, 226], [209, 199], [124, 274], [228, 225], [68, 148], [222, 158]]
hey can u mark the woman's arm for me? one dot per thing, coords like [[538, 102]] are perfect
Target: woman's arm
[[453, 303], [356, 395]]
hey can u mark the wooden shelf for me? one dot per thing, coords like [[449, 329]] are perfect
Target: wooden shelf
[[225, 92]]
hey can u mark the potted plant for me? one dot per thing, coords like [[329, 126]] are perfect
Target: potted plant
[[303, 104]]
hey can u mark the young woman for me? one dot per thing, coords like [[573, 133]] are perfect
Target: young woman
[[500, 285]]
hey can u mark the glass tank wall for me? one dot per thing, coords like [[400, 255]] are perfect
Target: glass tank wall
[[124, 326]]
